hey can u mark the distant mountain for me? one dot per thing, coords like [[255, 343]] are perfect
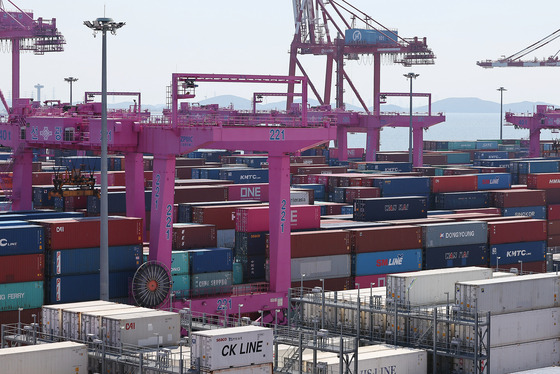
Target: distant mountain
[[450, 105]]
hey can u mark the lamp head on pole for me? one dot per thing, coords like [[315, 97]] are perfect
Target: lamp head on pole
[[501, 89], [411, 75], [104, 24]]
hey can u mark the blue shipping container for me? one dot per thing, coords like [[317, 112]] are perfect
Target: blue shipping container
[[494, 181], [388, 262], [210, 260], [318, 189], [487, 144], [253, 268], [86, 260], [461, 200], [368, 37], [538, 212], [537, 166], [490, 155], [456, 256], [85, 287], [389, 208], [26, 295], [21, 240], [389, 166], [511, 253], [401, 186], [246, 175]]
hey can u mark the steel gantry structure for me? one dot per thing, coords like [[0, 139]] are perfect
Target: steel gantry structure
[[323, 28]]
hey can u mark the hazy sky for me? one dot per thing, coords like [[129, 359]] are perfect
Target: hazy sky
[[253, 37]]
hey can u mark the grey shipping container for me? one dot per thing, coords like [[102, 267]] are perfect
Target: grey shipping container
[[321, 267], [455, 233]]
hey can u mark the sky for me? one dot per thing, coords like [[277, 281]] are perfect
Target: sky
[[253, 37]]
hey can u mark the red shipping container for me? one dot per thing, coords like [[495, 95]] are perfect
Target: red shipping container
[[320, 243], [361, 192], [528, 267], [553, 227], [255, 219], [199, 194], [553, 212], [332, 208], [479, 210], [529, 230], [222, 216], [386, 238], [434, 159], [543, 180], [191, 236], [365, 281], [22, 268], [251, 191], [42, 178], [308, 159], [553, 196], [553, 241], [522, 179], [331, 284], [454, 183], [23, 316], [517, 198], [84, 232], [299, 179], [318, 179], [185, 161]]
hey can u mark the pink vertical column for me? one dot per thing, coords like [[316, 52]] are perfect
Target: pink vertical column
[[21, 187], [135, 200], [15, 69], [372, 143], [161, 225], [417, 147], [534, 142], [279, 210], [342, 143]]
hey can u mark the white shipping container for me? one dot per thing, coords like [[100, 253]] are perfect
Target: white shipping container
[[90, 322], [428, 287], [251, 369], [508, 295], [145, 329], [518, 357], [524, 327], [51, 321], [232, 347], [71, 318], [64, 357], [299, 198], [398, 360], [307, 357]]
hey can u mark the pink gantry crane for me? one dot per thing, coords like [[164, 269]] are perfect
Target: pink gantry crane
[[322, 28]]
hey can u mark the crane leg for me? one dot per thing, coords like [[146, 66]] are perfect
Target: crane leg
[[135, 199], [22, 183]]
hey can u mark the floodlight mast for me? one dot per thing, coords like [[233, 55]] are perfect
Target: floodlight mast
[[103, 25]]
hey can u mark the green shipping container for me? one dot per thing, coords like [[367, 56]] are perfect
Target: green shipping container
[[179, 262], [237, 273], [211, 283], [458, 158], [181, 282], [459, 146], [26, 295]]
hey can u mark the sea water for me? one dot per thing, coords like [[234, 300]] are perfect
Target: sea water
[[457, 127]]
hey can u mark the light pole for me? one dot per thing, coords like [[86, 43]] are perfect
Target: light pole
[[70, 80], [410, 76], [239, 306], [497, 262], [104, 25], [501, 89], [521, 267]]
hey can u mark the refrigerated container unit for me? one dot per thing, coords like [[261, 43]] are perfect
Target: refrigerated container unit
[[232, 347], [508, 295], [430, 286], [71, 321], [144, 329], [51, 315], [91, 321], [63, 357]]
